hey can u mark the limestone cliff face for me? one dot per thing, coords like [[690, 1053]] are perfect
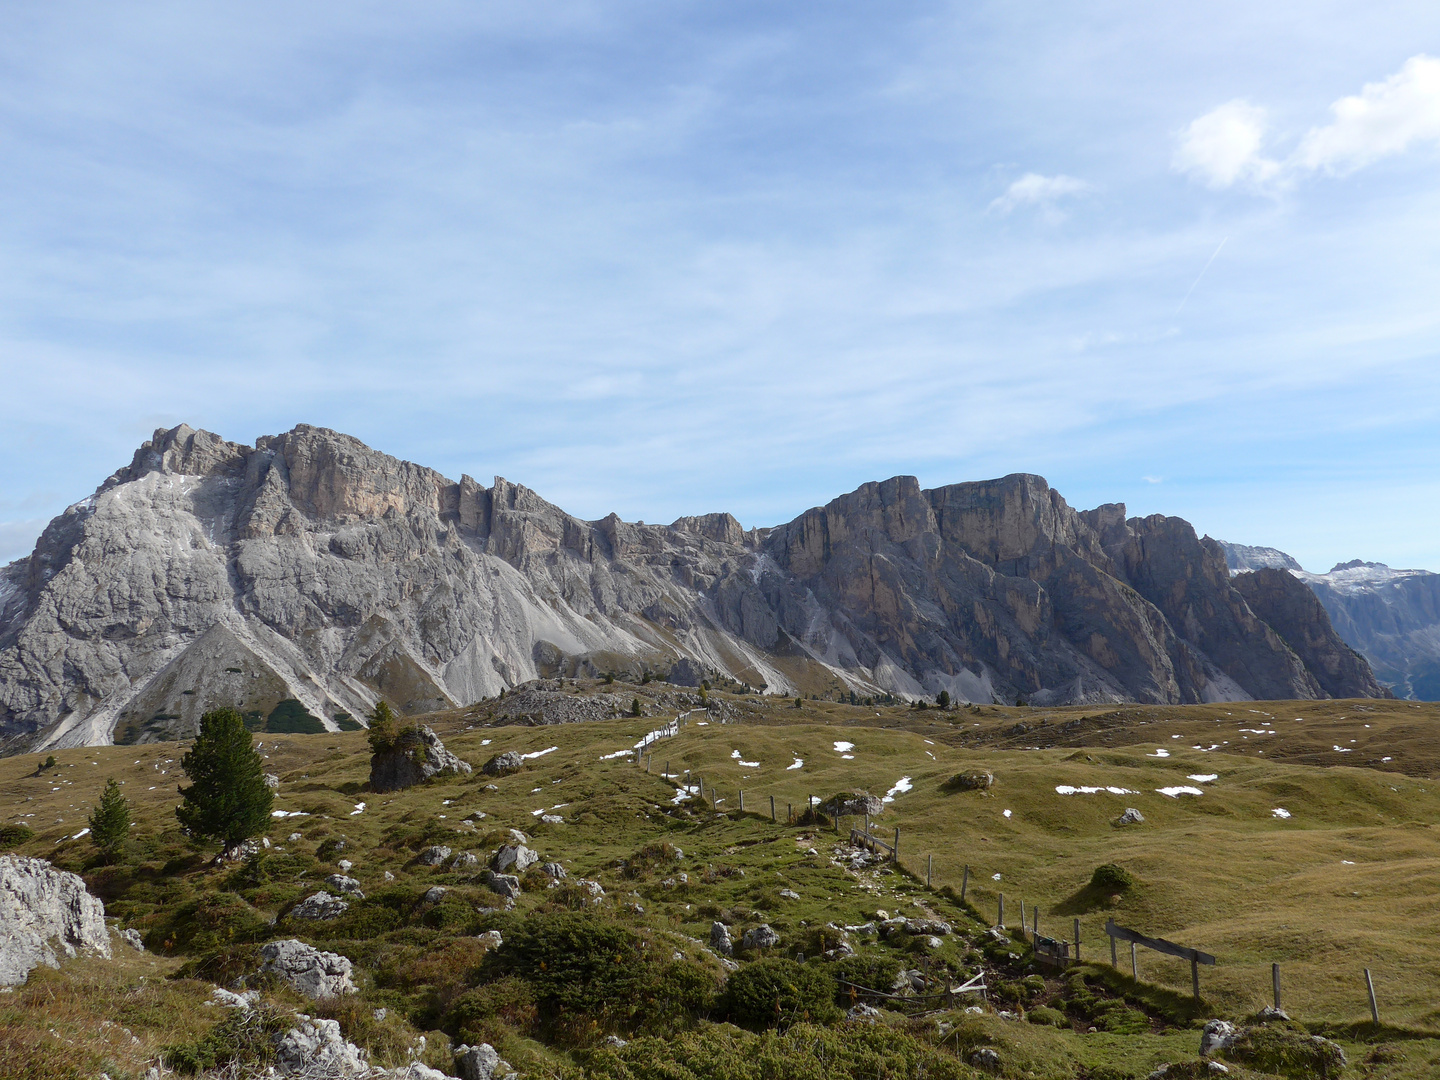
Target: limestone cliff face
[[312, 567], [1295, 613]]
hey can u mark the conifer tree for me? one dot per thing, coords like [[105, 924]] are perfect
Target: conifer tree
[[110, 821], [229, 800]]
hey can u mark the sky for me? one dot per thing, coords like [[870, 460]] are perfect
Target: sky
[[669, 258]]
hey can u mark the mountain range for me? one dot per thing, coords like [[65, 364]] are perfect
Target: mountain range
[[313, 573], [1391, 617]]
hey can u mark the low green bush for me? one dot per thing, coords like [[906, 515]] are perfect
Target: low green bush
[[1047, 1017], [14, 835], [1110, 878], [1287, 1049], [246, 1036], [778, 993]]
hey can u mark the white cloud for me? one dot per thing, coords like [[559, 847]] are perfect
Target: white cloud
[[1222, 147], [1384, 118], [1035, 190]]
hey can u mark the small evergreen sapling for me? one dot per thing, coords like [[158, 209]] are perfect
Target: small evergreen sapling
[[229, 800], [110, 821]]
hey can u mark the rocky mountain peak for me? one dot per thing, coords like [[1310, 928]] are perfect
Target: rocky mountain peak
[[309, 576]]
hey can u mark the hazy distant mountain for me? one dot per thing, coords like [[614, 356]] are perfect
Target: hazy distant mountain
[[309, 573], [1244, 557], [1392, 617]]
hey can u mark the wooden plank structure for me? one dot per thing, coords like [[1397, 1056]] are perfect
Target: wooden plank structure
[[1052, 951], [1195, 956]]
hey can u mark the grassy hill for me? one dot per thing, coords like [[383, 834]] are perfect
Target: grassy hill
[[1347, 881]]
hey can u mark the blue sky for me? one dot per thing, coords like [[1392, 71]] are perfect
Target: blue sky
[[666, 258]]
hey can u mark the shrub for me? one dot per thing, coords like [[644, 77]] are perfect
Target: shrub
[[245, 1035], [871, 971], [209, 922], [1110, 878], [1047, 1017], [14, 835], [510, 1000], [778, 993]]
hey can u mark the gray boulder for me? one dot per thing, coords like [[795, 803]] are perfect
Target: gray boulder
[[972, 781], [465, 863], [853, 804], [433, 855], [720, 939], [316, 1048], [516, 857], [319, 906], [761, 937], [434, 894], [503, 764], [42, 909], [554, 870], [1131, 816], [1218, 1035], [505, 884], [272, 781], [132, 938], [347, 885], [985, 1058], [313, 973], [864, 1013], [415, 755], [481, 1062]]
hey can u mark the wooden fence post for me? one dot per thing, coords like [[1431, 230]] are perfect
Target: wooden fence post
[[1001, 923], [1275, 983], [1114, 960], [1195, 978], [1370, 989], [742, 800], [789, 813], [1022, 917], [772, 808], [964, 883], [1035, 920], [895, 854], [1077, 941], [1134, 964]]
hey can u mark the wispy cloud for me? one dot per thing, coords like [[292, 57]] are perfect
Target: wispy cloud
[[1032, 189]]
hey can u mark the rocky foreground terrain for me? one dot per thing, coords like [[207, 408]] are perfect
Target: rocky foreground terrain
[[307, 576]]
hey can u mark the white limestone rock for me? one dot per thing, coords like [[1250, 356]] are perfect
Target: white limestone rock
[[43, 910]]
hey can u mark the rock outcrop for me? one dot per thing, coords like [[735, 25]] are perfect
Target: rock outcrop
[[309, 575], [412, 756], [313, 973], [43, 910]]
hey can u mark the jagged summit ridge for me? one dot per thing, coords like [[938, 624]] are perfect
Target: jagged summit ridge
[[311, 567]]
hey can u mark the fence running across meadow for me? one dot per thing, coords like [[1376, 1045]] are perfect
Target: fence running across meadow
[[1055, 952]]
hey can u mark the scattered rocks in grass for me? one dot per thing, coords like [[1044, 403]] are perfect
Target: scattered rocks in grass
[[132, 938], [592, 887], [272, 781], [318, 907], [554, 870], [853, 803], [1131, 816], [40, 905], [491, 939], [863, 1013], [434, 894], [433, 855], [230, 1000], [789, 894], [466, 863], [1218, 1035], [313, 973]]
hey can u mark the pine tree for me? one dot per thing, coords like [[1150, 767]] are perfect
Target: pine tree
[[229, 800], [110, 821], [635, 707]]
